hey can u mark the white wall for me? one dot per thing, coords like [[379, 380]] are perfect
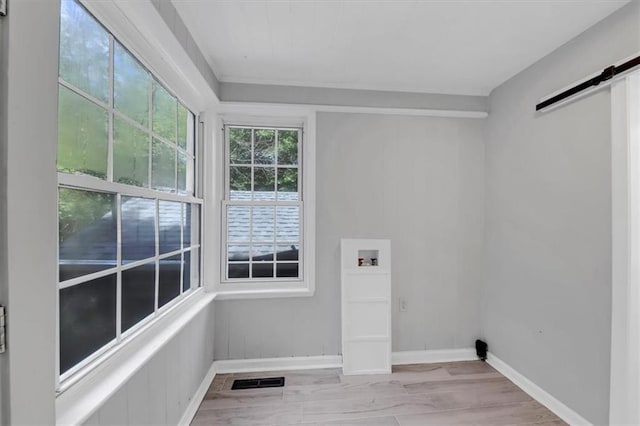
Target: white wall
[[161, 390], [415, 180], [547, 292]]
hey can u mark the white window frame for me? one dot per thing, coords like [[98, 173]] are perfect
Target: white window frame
[[253, 115], [84, 368]]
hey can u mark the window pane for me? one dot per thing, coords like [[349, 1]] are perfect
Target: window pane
[[288, 147], [164, 112], [87, 232], [183, 118], [264, 182], [138, 229], [260, 252], [239, 146], [240, 183], [131, 86], [182, 173], [262, 270], [288, 184], [262, 224], [191, 133], [238, 270], [130, 154], [238, 252], [287, 252], [186, 271], [288, 224], [138, 294], [169, 279], [264, 148], [82, 135], [87, 319], [287, 270], [84, 51], [170, 219], [163, 169], [238, 223]]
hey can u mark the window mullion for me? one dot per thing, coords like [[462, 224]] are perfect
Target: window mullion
[[110, 112]]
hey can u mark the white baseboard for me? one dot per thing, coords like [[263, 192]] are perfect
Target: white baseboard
[[435, 355], [536, 392], [197, 398], [335, 361], [278, 364]]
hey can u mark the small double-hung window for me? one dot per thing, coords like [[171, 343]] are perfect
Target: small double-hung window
[[263, 210]]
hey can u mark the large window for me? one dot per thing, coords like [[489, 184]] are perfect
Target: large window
[[128, 210], [263, 207]]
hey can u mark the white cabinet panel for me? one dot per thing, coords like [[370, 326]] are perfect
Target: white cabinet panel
[[366, 306]]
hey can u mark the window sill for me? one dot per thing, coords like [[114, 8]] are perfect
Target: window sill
[[225, 293], [78, 400]]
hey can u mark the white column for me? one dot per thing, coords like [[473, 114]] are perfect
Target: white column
[[28, 198]]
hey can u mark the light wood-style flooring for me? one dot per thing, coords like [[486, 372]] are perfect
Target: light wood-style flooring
[[457, 393]]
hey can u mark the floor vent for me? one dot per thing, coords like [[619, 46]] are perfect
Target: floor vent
[[271, 382]]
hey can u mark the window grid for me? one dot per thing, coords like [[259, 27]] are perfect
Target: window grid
[[252, 203], [93, 184]]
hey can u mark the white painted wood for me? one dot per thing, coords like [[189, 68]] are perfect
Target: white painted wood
[[114, 411], [192, 408], [437, 47], [158, 385], [138, 398], [625, 330], [427, 112], [433, 355], [366, 313], [83, 397], [28, 209], [536, 392], [277, 364]]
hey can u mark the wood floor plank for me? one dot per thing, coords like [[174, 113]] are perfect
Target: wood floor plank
[[512, 414], [453, 385], [242, 398], [469, 367], [367, 421], [321, 411], [274, 414], [364, 390]]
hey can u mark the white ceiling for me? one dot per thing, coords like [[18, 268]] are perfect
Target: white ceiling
[[457, 47]]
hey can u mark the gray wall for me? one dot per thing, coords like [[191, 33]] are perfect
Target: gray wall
[[547, 292], [160, 391], [415, 180]]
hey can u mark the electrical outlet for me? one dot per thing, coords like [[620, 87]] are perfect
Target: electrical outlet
[[402, 304]]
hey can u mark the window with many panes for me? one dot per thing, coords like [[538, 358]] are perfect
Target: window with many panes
[[263, 204], [128, 210]]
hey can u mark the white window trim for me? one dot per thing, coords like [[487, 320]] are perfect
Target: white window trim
[[625, 179], [256, 115]]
